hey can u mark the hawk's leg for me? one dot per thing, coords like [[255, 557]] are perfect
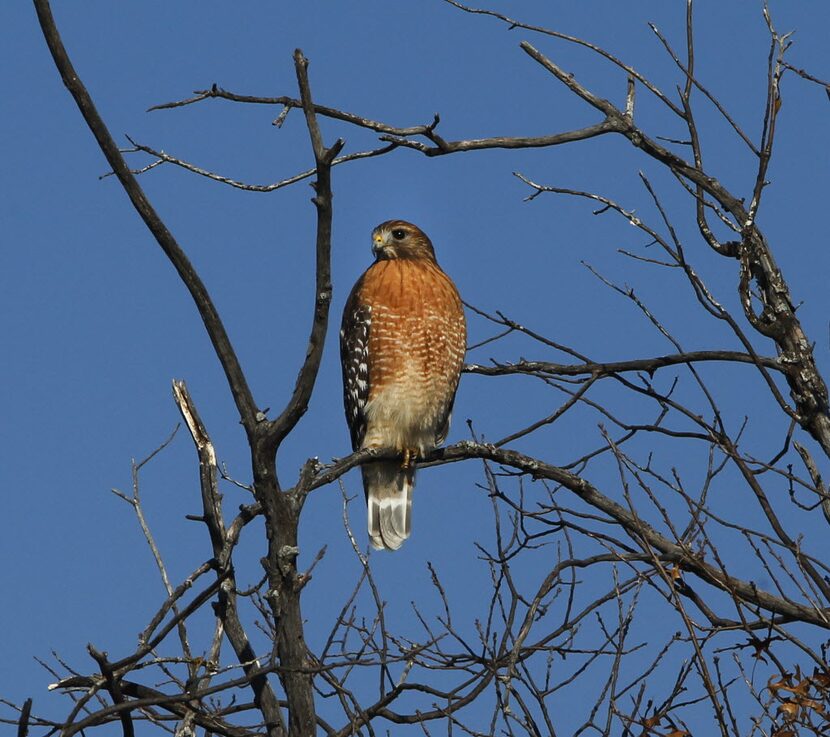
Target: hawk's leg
[[410, 455]]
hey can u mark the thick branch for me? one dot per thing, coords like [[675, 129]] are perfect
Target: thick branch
[[23, 722], [282, 509], [113, 684]]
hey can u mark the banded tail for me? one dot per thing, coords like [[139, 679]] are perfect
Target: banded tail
[[389, 502]]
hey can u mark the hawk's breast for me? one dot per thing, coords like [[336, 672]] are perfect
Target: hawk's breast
[[415, 352]]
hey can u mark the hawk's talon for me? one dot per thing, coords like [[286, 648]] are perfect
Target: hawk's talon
[[410, 455]]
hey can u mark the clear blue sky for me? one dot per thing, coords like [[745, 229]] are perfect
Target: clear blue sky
[[95, 323]]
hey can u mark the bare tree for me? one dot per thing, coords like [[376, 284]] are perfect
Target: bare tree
[[620, 573]]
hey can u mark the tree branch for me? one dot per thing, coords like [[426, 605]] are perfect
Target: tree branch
[[322, 200], [222, 545], [649, 365], [635, 527]]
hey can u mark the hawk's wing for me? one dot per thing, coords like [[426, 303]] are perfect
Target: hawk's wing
[[444, 422], [457, 328], [354, 361]]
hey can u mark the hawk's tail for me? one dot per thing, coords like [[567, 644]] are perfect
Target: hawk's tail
[[389, 502]]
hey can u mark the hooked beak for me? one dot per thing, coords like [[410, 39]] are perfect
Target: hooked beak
[[377, 244]]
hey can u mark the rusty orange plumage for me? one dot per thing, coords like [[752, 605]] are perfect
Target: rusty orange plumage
[[402, 346]]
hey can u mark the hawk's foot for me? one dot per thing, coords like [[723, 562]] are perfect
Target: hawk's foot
[[410, 455]]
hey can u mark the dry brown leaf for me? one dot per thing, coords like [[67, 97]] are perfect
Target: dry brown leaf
[[821, 678], [789, 710], [652, 721], [816, 706], [782, 682]]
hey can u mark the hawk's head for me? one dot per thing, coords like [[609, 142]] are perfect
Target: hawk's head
[[400, 239]]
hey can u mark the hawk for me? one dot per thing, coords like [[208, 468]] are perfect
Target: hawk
[[402, 345]]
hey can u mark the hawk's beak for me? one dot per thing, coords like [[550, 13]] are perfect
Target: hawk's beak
[[377, 244]]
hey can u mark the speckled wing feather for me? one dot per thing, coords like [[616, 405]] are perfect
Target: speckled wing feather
[[354, 361], [444, 423]]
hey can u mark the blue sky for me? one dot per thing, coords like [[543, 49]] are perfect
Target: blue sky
[[95, 323]]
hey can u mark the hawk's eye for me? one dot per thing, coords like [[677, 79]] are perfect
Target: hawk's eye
[[399, 234]]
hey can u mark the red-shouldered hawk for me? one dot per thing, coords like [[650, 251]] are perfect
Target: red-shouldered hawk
[[402, 345]]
